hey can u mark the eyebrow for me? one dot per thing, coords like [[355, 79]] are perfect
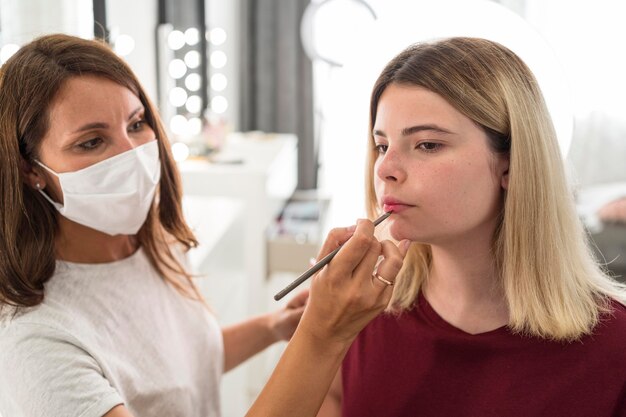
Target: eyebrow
[[100, 125], [408, 131]]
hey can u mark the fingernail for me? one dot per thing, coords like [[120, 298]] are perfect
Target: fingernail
[[405, 245], [351, 228]]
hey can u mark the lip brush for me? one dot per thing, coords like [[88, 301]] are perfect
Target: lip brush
[[319, 265]]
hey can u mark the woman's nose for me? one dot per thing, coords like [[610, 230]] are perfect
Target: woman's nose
[[124, 142], [390, 167], [123, 146]]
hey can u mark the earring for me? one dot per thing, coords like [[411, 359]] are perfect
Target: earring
[[38, 186]]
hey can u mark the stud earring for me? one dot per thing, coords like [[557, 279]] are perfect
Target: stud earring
[[38, 186]]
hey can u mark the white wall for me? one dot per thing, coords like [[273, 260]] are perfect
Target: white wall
[[138, 19], [23, 20], [588, 36]]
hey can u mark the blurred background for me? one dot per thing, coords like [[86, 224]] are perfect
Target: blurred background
[[265, 103]]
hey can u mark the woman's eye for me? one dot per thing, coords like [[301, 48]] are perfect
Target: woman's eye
[[429, 146], [90, 144], [138, 125], [381, 148]]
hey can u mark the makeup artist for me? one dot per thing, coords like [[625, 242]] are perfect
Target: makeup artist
[[99, 316]]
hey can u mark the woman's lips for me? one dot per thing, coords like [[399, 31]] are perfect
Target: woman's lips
[[395, 207]]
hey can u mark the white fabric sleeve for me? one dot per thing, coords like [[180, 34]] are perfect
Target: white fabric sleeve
[[43, 372]]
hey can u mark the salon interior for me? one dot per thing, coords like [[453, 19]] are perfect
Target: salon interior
[[265, 103]]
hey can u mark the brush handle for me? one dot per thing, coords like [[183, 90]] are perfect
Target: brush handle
[[319, 265], [307, 274]]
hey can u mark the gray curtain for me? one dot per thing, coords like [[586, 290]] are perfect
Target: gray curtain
[[277, 78]]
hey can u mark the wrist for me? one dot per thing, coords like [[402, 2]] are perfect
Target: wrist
[[269, 322], [330, 344]]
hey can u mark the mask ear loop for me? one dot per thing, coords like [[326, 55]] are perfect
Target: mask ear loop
[[46, 168], [46, 196]]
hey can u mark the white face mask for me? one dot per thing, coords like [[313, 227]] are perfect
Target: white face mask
[[114, 195]]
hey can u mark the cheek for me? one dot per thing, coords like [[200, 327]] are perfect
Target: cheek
[[147, 135], [470, 194], [378, 183], [378, 187], [460, 189]]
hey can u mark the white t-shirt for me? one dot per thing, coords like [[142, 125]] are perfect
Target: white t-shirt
[[108, 334]]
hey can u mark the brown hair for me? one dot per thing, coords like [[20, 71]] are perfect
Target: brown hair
[[553, 286], [29, 82]]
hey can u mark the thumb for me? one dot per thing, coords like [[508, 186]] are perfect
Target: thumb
[[404, 246], [299, 300], [335, 238]]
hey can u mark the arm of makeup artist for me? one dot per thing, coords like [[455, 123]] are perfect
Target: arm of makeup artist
[[246, 339], [343, 299]]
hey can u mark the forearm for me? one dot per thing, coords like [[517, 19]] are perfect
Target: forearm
[[331, 407], [246, 339], [301, 379], [342, 301]]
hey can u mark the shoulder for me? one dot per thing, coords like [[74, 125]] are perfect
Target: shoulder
[[181, 254], [608, 339], [26, 338], [616, 317], [40, 362], [614, 322], [37, 334]]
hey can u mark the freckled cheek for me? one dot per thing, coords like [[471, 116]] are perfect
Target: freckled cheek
[[446, 190], [379, 184], [378, 188], [469, 195]]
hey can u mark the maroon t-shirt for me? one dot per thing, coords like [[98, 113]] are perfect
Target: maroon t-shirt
[[417, 364]]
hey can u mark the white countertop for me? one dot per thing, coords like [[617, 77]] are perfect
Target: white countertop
[[210, 218]]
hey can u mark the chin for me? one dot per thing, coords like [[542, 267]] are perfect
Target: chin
[[398, 233]]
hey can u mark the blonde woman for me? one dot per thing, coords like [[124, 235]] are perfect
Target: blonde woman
[[500, 309]]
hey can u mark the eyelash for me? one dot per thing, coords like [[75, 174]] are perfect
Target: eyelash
[[379, 148], [85, 145], [95, 142], [141, 123], [437, 146]]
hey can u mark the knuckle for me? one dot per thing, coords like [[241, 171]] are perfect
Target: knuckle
[[365, 223], [356, 299], [396, 263], [361, 239], [335, 232]]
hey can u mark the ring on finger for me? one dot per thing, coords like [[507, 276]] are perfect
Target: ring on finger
[[383, 280]]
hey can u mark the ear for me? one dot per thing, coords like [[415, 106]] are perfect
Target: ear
[[505, 180], [504, 172], [32, 176]]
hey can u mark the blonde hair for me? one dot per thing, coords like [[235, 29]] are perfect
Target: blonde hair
[[553, 286]]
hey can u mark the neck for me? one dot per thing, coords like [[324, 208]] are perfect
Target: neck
[[464, 287], [81, 244]]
